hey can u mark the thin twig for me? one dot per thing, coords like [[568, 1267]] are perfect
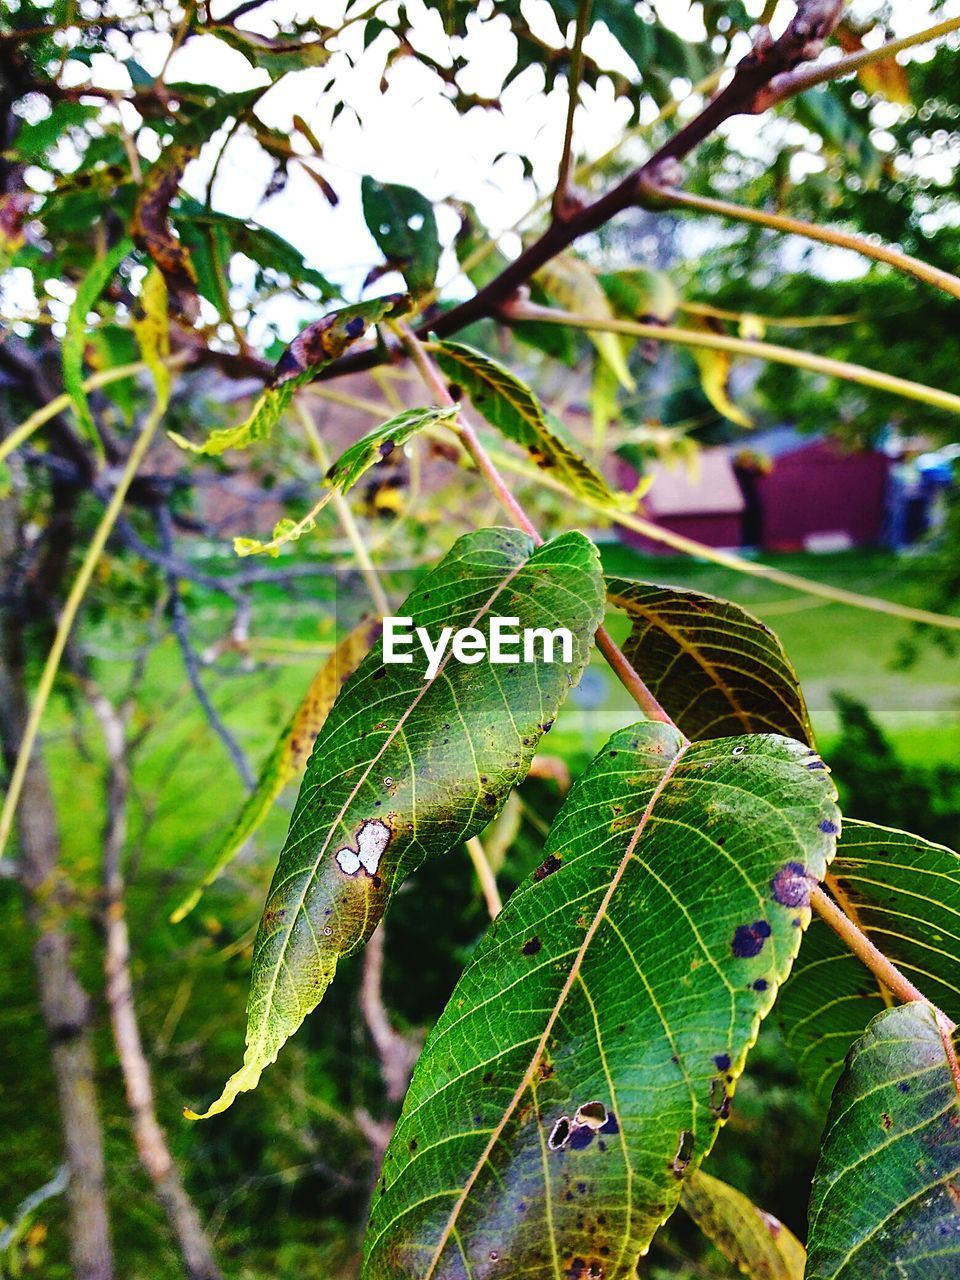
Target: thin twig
[[485, 877], [727, 559], [843, 369], [69, 615], [619, 664], [804, 78], [564, 201], [825, 235], [180, 625], [397, 1054]]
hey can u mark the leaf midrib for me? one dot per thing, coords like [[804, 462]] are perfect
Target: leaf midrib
[[427, 685], [574, 973]]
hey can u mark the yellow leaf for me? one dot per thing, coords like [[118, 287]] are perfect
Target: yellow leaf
[[715, 369], [569, 281]]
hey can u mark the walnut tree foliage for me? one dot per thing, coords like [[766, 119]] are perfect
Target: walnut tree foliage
[[589, 1055]]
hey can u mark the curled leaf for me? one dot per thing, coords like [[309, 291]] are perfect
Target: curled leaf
[[756, 1242], [346, 471], [317, 345], [569, 281], [715, 368], [153, 233]]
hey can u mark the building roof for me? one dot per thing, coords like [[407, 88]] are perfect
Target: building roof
[[709, 487]]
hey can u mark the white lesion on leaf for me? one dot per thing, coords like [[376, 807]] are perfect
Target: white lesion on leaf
[[372, 840]]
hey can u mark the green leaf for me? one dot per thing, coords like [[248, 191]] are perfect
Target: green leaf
[[346, 471], [402, 222], [715, 668], [642, 294], [885, 1195], [756, 1242], [589, 1053], [569, 281], [75, 338], [317, 345], [289, 757], [509, 405], [904, 893], [407, 768], [276, 55]]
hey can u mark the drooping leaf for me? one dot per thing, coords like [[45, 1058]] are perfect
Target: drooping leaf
[[715, 368], [403, 223], [318, 344], [289, 757], [756, 1242], [905, 894], [715, 668], [346, 471], [569, 281], [885, 1201], [151, 328], [509, 405], [153, 233], [406, 768], [75, 337], [887, 77], [589, 1053]]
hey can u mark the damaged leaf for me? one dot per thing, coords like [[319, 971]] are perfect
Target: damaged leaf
[[289, 757], [715, 668], [885, 1201], [590, 1051], [346, 471], [407, 768], [153, 233], [756, 1242], [904, 893], [317, 345], [509, 405]]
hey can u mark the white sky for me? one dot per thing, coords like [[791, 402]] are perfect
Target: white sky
[[411, 133]]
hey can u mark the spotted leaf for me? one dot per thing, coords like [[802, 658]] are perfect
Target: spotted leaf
[[406, 767], [885, 1202], [317, 345], [590, 1051], [509, 405], [905, 894]]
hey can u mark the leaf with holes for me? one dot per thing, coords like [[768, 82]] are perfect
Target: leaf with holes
[[317, 345], [289, 757], [904, 893], [717, 669], [756, 1242], [347, 470], [402, 222], [410, 765], [590, 1051], [886, 1194], [509, 405]]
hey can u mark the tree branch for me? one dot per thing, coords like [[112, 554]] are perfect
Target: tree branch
[[624, 672], [564, 201], [151, 1141]]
